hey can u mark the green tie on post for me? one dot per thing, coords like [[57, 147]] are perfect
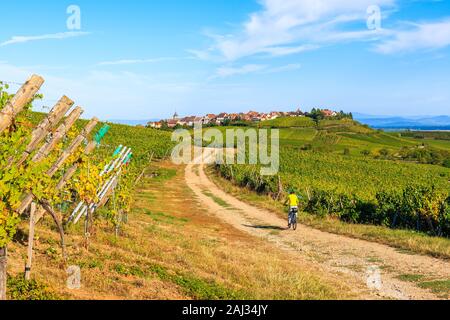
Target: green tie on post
[[101, 133], [128, 158]]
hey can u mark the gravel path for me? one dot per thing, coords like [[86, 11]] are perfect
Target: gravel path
[[374, 267]]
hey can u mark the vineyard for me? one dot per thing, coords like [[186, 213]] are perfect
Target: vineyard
[[292, 122], [343, 174], [71, 169]]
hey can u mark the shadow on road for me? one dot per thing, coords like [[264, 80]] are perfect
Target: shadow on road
[[265, 227]]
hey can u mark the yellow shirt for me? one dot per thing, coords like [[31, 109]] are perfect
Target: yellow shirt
[[293, 200]]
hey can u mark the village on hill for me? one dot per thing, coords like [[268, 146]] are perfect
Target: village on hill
[[230, 118]]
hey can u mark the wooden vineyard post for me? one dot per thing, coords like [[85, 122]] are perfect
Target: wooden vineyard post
[[123, 156], [308, 194], [71, 171], [87, 227], [66, 154], [143, 171], [30, 242], [58, 135], [73, 146], [41, 131], [280, 188], [23, 96], [117, 228], [3, 277], [58, 223], [49, 146], [87, 150]]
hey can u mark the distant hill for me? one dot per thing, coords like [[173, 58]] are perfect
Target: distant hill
[[345, 125], [412, 123], [289, 122]]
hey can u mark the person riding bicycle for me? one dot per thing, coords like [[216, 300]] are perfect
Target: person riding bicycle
[[293, 202]]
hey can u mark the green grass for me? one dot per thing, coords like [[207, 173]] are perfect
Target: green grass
[[297, 136], [405, 240], [441, 287], [345, 125], [374, 260], [194, 287], [197, 288], [291, 122], [90, 264], [165, 218], [216, 199], [354, 175], [356, 140], [162, 174], [411, 277], [20, 289], [129, 270]]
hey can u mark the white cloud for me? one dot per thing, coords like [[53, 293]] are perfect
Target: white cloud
[[286, 27], [228, 71], [201, 55], [283, 51], [135, 61], [423, 36], [289, 67], [55, 36], [224, 72]]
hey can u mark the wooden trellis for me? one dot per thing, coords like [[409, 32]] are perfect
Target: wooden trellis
[[121, 157], [44, 139]]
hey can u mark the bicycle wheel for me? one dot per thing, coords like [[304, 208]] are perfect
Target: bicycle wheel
[[294, 222], [290, 220]]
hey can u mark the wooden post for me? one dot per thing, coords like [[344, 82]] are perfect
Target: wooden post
[[280, 188], [50, 210], [107, 193], [87, 227], [143, 171], [52, 119], [71, 171], [25, 203], [3, 277], [309, 195], [58, 135], [30, 242], [67, 176], [48, 147], [73, 146], [23, 96]]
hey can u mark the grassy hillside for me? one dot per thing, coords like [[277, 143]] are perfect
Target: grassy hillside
[[344, 125], [143, 141], [169, 249], [291, 122], [350, 171]]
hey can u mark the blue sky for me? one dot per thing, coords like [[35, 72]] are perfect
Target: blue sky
[[145, 59]]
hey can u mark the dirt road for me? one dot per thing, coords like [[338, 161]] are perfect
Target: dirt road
[[374, 266]]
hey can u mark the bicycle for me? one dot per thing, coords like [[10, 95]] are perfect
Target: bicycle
[[292, 219]]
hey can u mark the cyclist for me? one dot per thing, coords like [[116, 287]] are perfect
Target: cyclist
[[293, 202]]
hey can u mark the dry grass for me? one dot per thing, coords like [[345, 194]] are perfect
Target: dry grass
[[172, 249]]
